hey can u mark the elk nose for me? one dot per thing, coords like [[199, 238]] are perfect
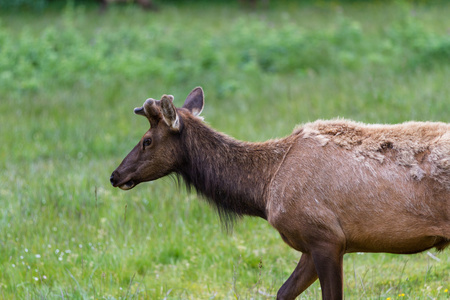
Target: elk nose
[[112, 179]]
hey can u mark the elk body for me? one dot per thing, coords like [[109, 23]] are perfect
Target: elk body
[[329, 188]]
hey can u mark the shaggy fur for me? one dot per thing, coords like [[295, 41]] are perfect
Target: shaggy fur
[[424, 147]]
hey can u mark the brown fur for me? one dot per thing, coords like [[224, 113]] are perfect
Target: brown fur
[[330, 188], [422, 146]]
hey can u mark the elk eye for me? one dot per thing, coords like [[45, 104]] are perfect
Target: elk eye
[[147, 142]]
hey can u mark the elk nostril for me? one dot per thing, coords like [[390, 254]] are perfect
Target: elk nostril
[[111, 179]]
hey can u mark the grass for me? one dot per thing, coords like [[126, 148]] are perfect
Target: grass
[[71, 77]]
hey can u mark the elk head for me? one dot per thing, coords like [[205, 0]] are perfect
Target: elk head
[[158, 152]]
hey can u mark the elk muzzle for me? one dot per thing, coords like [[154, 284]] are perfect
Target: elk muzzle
[[116, 181]]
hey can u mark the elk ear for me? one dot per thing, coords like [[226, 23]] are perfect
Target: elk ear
[[170, 112], [195, 101]]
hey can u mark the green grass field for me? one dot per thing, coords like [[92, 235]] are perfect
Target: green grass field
[[70, 78]]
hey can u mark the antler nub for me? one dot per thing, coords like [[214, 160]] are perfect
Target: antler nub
[[145, 109], [148, 104], [139, 111]]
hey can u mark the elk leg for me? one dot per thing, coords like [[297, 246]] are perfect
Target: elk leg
[[328, 262], [302, 277]]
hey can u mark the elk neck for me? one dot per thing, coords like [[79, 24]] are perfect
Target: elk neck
[[232, 175]]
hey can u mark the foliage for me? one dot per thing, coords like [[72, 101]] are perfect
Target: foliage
[[34, 4], [70, 79], [32, 61]]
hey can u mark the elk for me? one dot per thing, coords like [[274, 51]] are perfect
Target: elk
[[329, 188]]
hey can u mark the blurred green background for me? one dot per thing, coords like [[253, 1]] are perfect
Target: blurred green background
[[71, 75]]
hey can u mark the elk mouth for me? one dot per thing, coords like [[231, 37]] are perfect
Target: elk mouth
[[127, 185]]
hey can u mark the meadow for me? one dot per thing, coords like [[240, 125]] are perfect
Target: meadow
[[70, 78]]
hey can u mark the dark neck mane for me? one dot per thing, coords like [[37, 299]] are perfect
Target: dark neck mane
[[232, 175]]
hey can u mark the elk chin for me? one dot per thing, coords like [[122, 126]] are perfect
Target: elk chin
[[127, 185]]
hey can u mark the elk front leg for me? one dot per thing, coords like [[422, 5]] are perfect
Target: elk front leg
[[302, 277], [328, 261]]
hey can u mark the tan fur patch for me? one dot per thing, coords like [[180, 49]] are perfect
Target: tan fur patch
[[422, 146]]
